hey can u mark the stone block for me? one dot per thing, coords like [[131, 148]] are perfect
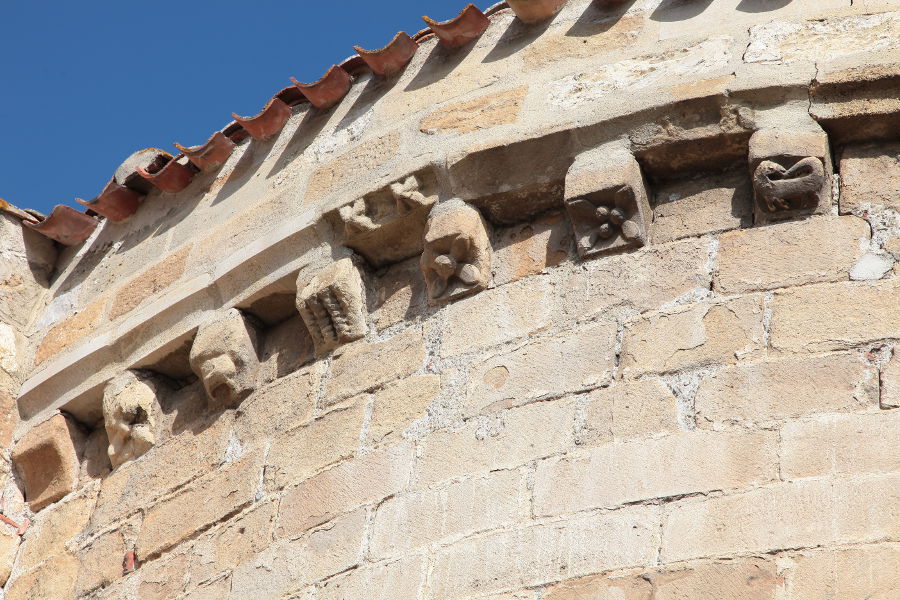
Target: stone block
[[301, 451], [606, 198], [840, 445], [100, 561], [791, 172], [224, 357], [528, 249], [870, 177], [613, 586], [400, 404], [70, 330], [333, 305], [483, 112], [508, 442], [890, 381], [53, 528], [149, 283], [546, 553], [719, 332], [835, 316], [395, 580], [130, 414], [387, 226], [457, 257], [208, 500], [8, 418], [362, 480], [789, 254], [364, 366], [683, 463], [571, 361], [695, 207], [9, 545], [47, 460], [423, 517], [284, 402], [870, 572], [54, 579], [399, 294], [631, 409], [738, 579], [163, 578], [342, 170], [787, 388]]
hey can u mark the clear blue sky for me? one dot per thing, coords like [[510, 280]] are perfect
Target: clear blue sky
[[85, 84]]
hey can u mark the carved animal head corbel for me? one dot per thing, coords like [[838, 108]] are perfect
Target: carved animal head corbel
[[457, 256]]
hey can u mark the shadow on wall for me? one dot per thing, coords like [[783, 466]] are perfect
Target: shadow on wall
[[598, 19], [758, 6], [679, 10]]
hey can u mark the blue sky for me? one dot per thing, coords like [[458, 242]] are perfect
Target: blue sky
[[85, 84]]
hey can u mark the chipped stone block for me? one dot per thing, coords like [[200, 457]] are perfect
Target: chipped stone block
[[130, 413], [607, 201], [791, 171], [332, 304], [457, 256], [870, 177], [223, 356], [47, 459], [386, 226]]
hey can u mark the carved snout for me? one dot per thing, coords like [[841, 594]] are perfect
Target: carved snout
[[218, 377], [788, 189]]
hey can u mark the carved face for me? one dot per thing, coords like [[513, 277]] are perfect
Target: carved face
[[457, 257], [223, 356], [785, 189], [129, 413]]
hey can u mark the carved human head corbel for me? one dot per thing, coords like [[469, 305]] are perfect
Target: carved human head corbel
[[456, 260], [130, 413], [224, 357]]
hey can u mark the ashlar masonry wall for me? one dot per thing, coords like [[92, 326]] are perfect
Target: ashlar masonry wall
[[604, 306]]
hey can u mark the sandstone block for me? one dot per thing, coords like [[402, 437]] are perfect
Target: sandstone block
[[789, 254], [343, 488], [704, 333], [870, 177], [606, 199], [785, 388], [490, 110], [54, 579], [301, 451], [332, 305], [840, 444], [577, 360], [100, 562], [284, 402], [398, 405], [364, 366], [476, 449], [47, 459], [224, 357], [890, 382], [163, 578], [130, 414], [616, 586], [835, 316], [674, 465], [870, 572], [422, 517], [457, 257], [739, 579], [149, 283], [528, 249], [54, 527], [207, 501], [343, 169], [9, 545], [8, 418], [546, 553], [383, 581], [68, 331], [399, 294], [630, 409]]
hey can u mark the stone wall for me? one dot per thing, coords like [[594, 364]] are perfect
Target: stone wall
[[600, 307]]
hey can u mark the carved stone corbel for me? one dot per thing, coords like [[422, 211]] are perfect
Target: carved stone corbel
[[224, 357], [457, 257], [606, 199], [791, 173], [386, 226], [332, 305], [130, 413]]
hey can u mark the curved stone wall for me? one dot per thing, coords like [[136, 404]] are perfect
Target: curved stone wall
[[599, 306]]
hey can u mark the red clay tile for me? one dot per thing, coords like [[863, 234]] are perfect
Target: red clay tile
[[210, 155], [65, 225], [116, 202], [172, 177], [392, 58], [268, 122], [327, 91], [459, 31]]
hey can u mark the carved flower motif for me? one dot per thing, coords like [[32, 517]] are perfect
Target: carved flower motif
[[452, 265], [606, 221]]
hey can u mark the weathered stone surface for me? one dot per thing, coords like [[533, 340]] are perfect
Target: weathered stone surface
[[398, 405], [785, 388], [811, 251], [567, 362], [619, 32], [282, 403], [870, 177], [629, 409], [47, 460], [8, 418], [130, 415], [333, 305], [675, 465], [872, 266], [524, 250], [54, 579], [101, 561], [343, 488], [70, 330], [490, 110], [205, 502], [890, 381], [708, 204], [49, 533], [149, 283], [602, 587], [350, 165], [224, 357], [396, 358], [457, 256], [164, 578], [700, 334], [791, 171], [835, 316], [399, 294], [383, 581], [606, 199], [870, 572], [9, 545], [546, 553], [416, 519]]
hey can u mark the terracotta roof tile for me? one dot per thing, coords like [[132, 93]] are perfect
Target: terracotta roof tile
[[65, 225], [268, 122], [210, 155], [468, 25], [327, 91], [392, 58]]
